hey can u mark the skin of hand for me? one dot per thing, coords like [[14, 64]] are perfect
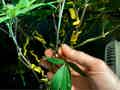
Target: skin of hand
[[100, 77]]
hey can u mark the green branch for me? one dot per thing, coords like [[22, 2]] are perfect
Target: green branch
[[3, 2], [83, 13], [96, 38], [59, 23], [20, 54]]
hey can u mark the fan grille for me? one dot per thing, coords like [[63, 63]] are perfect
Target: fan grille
[[112, 56]]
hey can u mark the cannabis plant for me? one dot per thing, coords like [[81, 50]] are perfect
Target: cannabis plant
[[35, 25]]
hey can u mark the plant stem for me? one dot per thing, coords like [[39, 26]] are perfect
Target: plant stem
[[25, 62], [83, 13], [96, 38], [3, 30], [59, 22], [54, 22], [3, 2]]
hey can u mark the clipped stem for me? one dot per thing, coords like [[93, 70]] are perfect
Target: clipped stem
[[25, 62]]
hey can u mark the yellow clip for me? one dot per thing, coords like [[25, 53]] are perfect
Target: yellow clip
[[36, 56], [77, 22], [72, 13], [74, 37], [70, 2], [36, 68], [44, 79], [25, 46], [62, 32], [39, 37]]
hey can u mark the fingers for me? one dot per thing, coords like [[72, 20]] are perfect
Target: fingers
[[79, 57], [50, 75], [49, 52], [84, 61], [44, 63], [52, 68]]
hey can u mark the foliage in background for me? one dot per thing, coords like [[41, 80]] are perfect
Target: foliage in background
[[37, 25]]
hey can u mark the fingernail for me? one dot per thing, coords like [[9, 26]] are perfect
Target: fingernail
[[65, 46], [60, 51]]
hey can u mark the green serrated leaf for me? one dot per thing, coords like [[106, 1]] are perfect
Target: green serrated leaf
[[55, 60], [27, 9], [77, 69], [62, 79]]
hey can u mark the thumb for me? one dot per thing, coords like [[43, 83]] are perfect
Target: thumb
[[79, 57]]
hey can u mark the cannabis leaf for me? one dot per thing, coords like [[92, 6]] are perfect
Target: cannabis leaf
[[62, 79], [10, 11]]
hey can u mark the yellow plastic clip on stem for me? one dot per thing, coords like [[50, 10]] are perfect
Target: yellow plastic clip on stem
[[77, 22], [39, 37], [72, 13], [25, 46], [37, 69], [74, 37]]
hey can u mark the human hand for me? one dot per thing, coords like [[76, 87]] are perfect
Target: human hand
[[100, 76]]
